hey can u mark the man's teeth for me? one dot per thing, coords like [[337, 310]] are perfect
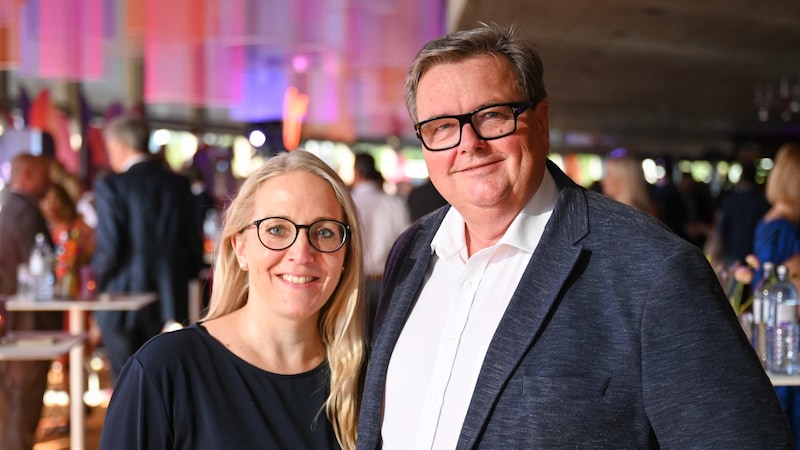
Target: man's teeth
[[297, 280]]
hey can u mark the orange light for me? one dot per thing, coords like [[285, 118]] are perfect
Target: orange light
[[295, 106]]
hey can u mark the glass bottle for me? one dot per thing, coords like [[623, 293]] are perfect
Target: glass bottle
[[760, 311], [41, 269], [782, 325], [66, 271]]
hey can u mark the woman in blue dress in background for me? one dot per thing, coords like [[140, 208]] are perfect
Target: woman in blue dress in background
[[777, 239]]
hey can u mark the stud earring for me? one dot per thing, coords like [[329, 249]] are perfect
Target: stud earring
[[243, 266]]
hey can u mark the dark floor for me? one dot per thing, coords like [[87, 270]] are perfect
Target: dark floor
[[58, 438], [53, 432]]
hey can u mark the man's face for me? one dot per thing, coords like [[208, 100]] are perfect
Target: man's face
[[480, 175], [39, 179], [116, 155]]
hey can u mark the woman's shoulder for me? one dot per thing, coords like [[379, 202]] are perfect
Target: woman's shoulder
[[778, 225], [176, 347]]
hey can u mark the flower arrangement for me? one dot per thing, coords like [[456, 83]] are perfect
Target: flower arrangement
[[742, 277]]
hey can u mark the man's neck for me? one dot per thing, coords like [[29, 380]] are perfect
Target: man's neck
[[133, 158]]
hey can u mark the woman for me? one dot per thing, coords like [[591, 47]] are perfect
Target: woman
[[70, 233], [624, 182], [277, 360], [777, 235], [777, 239]]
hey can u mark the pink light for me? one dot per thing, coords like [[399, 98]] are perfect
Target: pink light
[[300, 63]]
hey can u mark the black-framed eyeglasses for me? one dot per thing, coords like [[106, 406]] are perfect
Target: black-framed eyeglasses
[[279, 233], [489, 122]]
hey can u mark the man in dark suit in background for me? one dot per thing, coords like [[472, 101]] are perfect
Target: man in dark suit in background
[[739, 213], [22, 383], [534, 313], [146, 240]]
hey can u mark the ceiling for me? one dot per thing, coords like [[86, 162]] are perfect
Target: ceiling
[[660, 77]]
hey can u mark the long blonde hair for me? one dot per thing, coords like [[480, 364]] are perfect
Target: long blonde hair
[[783, 182], [342, 320]]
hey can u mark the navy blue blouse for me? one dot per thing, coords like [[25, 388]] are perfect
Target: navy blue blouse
[[185, 390]]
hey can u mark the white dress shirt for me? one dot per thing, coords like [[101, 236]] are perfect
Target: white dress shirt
[[382, 217], [439, 354]]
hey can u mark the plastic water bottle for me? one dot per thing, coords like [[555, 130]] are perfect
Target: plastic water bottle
[[761, 311], [41, 269], [782, 325], [211, 230]]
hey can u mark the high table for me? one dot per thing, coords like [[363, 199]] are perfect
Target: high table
[[77, 328], [37, 345]]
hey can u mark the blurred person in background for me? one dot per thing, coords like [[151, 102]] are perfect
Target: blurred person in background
[[74, 247], [383, 217], [700, 206], [777, 239], [624, 182], [739, 212], [777, 235], [145, 240], [276, 363], [61, 213], [22, 383]]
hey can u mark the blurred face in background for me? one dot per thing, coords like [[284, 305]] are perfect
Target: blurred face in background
[[117, 153], [32, 176], [57, 207]]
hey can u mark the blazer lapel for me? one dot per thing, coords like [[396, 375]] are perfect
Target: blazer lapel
[[547, 271]]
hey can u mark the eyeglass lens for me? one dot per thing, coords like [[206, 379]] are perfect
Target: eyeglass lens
[[489, 123], [277, 233]]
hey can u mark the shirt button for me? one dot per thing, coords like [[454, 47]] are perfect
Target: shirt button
[[468, 284]]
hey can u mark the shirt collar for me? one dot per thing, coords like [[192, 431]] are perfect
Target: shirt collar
[[134, 159], [524, 232]]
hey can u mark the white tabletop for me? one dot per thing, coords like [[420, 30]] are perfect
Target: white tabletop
[[783, 379], [39, 345], [79, 308], [103, 302]]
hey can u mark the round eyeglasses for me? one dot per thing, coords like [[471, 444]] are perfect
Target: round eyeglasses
[[489, 122], [279, 233]]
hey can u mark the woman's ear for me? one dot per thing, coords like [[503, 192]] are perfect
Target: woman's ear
[[238, 242]]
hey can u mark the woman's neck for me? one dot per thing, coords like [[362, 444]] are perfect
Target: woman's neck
[[781, 210], [284, 350]]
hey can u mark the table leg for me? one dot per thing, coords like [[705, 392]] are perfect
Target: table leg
[[77, 413]]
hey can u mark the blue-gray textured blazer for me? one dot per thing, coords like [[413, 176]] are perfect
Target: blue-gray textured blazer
[[618, 336]]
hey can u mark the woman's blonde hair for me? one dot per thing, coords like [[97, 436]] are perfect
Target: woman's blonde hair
[[783, 182], [342, 320], [626, 174]]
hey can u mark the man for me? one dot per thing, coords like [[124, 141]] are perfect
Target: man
[[382, 216], [146, 240], [535, 313], [22, 383]]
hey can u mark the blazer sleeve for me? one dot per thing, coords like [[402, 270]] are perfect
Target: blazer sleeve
[[110, 221], [698, 374]]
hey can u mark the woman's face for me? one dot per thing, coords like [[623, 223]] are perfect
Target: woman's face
[[294, 283]]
